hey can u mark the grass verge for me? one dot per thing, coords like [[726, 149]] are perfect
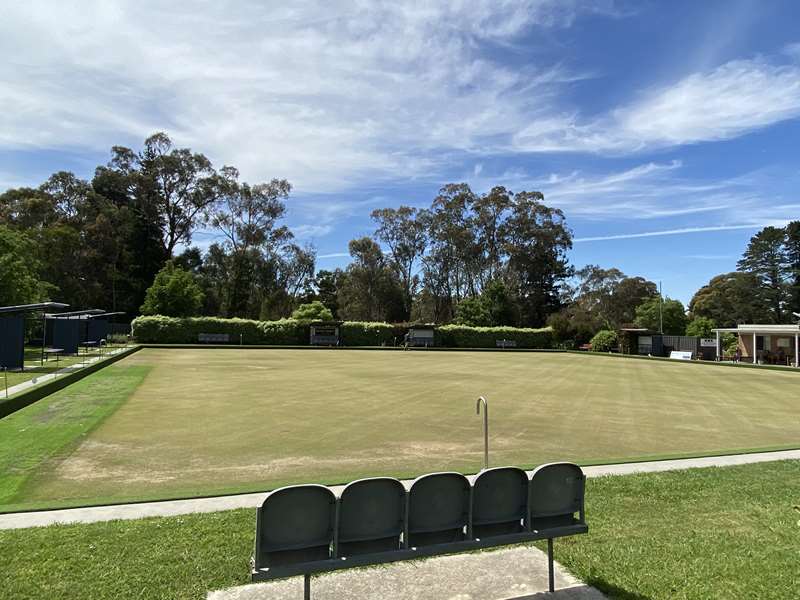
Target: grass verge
[[729, 532], [705, 533], [52, 427]]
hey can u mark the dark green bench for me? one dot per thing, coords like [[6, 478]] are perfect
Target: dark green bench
[[307, 529]]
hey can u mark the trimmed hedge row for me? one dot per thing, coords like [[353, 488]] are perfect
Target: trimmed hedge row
[[289, 332], [463, 336]]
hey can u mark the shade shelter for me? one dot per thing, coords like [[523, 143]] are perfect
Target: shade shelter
[[764, 344], [12, 331], [98, 326], [67, 330]]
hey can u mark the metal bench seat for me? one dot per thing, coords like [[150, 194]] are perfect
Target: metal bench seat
[[306, 529]]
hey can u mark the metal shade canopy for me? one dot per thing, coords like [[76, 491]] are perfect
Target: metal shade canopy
[[76, 313], [25, 308]]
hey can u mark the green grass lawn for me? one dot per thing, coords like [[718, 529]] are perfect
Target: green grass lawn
[[702, 534], [205, 421]]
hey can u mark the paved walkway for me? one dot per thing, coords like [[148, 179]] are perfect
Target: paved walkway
[[40, 379], [205, 505], [517, 573]]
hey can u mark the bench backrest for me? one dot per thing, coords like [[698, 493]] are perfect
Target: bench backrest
[[499, 502], [557, 491], [505, 343], [304, 524], [295, 525], [438, 509], [370, 517], [213, 338]]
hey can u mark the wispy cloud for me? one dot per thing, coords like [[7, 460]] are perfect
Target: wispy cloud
[[334, 255], [733, 99], [327, 94], [681, 231]]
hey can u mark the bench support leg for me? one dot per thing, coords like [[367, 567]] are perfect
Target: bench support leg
[[307, 586], [550, 573]]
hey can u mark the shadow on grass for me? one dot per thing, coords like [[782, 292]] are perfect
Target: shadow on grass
[[614, 591]]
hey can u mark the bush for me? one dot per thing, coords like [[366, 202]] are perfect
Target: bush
[[359, 333], [701, 327], [174, 292], [313, 311], [291, 332], [604, 340], [173, 330], [462, 336]]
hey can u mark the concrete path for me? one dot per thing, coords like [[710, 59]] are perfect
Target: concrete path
[[205, 505], [518, 573], [40, 379]]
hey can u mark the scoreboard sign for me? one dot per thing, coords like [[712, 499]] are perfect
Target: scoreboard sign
[[708, 343]]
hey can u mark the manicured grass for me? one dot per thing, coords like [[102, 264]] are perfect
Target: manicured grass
[[699, 534], [704, 533], [39, 437], [218, 421], [167, 558]]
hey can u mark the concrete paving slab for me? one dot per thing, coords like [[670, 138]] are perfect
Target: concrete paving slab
[[518, 573], [171, 508]]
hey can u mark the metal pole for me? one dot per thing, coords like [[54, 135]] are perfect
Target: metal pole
[[5, 375], [550, 573], [660, 310], [44, 336], [482, 400], [307, 586]]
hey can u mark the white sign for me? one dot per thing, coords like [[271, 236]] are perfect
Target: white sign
[[680, 355], [708, 343]]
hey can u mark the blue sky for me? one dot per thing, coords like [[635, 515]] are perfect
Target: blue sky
[[666, 131]]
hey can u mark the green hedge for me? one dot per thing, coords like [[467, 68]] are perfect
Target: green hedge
[[174, 330], [463, 336], [289, 332], [356, 333]]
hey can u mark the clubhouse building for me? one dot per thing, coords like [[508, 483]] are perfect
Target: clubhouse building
[[765, 344]]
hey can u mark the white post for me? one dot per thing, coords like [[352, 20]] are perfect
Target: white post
[[719, 354], [796, 347], [755, 351]]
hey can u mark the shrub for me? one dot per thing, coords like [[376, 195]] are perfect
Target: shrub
[[604, 340], [701, 327], [158, 329], [313, 311], [462, 336], [175, 330], [359, 333], [174, 293]]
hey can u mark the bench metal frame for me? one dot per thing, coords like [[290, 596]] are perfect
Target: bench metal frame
[[307, 569]]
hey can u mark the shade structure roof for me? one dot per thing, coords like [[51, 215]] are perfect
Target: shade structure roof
[[104, 315], [26, 308], [76, 313]]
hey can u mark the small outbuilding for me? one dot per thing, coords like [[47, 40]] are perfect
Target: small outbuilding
[[763, 344]]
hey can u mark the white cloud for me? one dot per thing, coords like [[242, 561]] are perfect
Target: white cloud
[[733, 99], [326, 94], [680, 231]]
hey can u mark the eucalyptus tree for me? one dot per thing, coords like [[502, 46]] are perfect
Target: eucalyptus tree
[[403, 230]]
